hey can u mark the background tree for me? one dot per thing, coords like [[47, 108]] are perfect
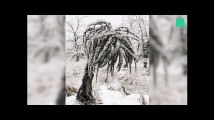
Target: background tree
[[157, 51], [178, 37], [75, 31], [176, 44], [150, 43], [103, 46], [184, 48], [139, 25], [46, 45], [43, 44]]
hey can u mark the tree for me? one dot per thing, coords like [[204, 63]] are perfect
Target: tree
[[157, 51], [75, 31], [183, 35], [180, 40], [61, 22], [61, 95], [103, 46], [151, 43], [139, 24], [46, 41]]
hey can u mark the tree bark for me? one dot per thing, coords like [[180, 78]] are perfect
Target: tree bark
[[84, 94]]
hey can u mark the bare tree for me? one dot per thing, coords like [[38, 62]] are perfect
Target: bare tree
[[46, 41], [180, 36], [76, 36], [140, 26], [61, 23], [150, 43], [157, 50], [46, 46], [184, 48]]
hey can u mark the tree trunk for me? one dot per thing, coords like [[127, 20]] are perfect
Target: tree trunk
[[78, 57], [84, 94], [185, 69], [166, 73], [61, 95], [47, 56], [155, 75]]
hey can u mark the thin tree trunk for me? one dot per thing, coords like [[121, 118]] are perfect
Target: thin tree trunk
[[155, 74], [61, 96], [165, 72], [47, 56], [84, 94], [78, 57]]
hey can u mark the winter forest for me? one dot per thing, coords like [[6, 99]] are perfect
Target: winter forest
[[106, 60], [104, 51]]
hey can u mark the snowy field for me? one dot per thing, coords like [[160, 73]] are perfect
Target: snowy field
[[111, 93], [123, 87], [45, 79]]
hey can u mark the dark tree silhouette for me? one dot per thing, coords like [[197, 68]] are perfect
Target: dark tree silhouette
[[61, 95], [138, 23], [157, 50], [103, 46]]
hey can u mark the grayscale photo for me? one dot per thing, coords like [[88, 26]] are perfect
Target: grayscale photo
[[168, 59], [107, 59], [45, 59]]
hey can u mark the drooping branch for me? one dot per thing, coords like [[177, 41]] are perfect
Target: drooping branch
[[104, 45]]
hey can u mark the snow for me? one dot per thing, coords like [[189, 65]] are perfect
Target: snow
[[44, 82], [111, 97], [71, 100], [110, 93], [133, 99], [107, 95]]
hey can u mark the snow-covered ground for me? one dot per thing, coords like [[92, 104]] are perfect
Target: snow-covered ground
[[44, 82], [111, 97], [110, 93], [176, 91]]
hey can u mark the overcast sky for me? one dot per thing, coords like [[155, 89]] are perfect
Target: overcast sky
[[115, 20]]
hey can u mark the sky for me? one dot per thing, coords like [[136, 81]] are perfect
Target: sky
[[115, 20]]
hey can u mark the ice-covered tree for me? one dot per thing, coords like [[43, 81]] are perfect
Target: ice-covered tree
[[139, 24], [103, 46]]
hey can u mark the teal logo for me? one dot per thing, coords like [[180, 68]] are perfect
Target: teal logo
[[180, 22]]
